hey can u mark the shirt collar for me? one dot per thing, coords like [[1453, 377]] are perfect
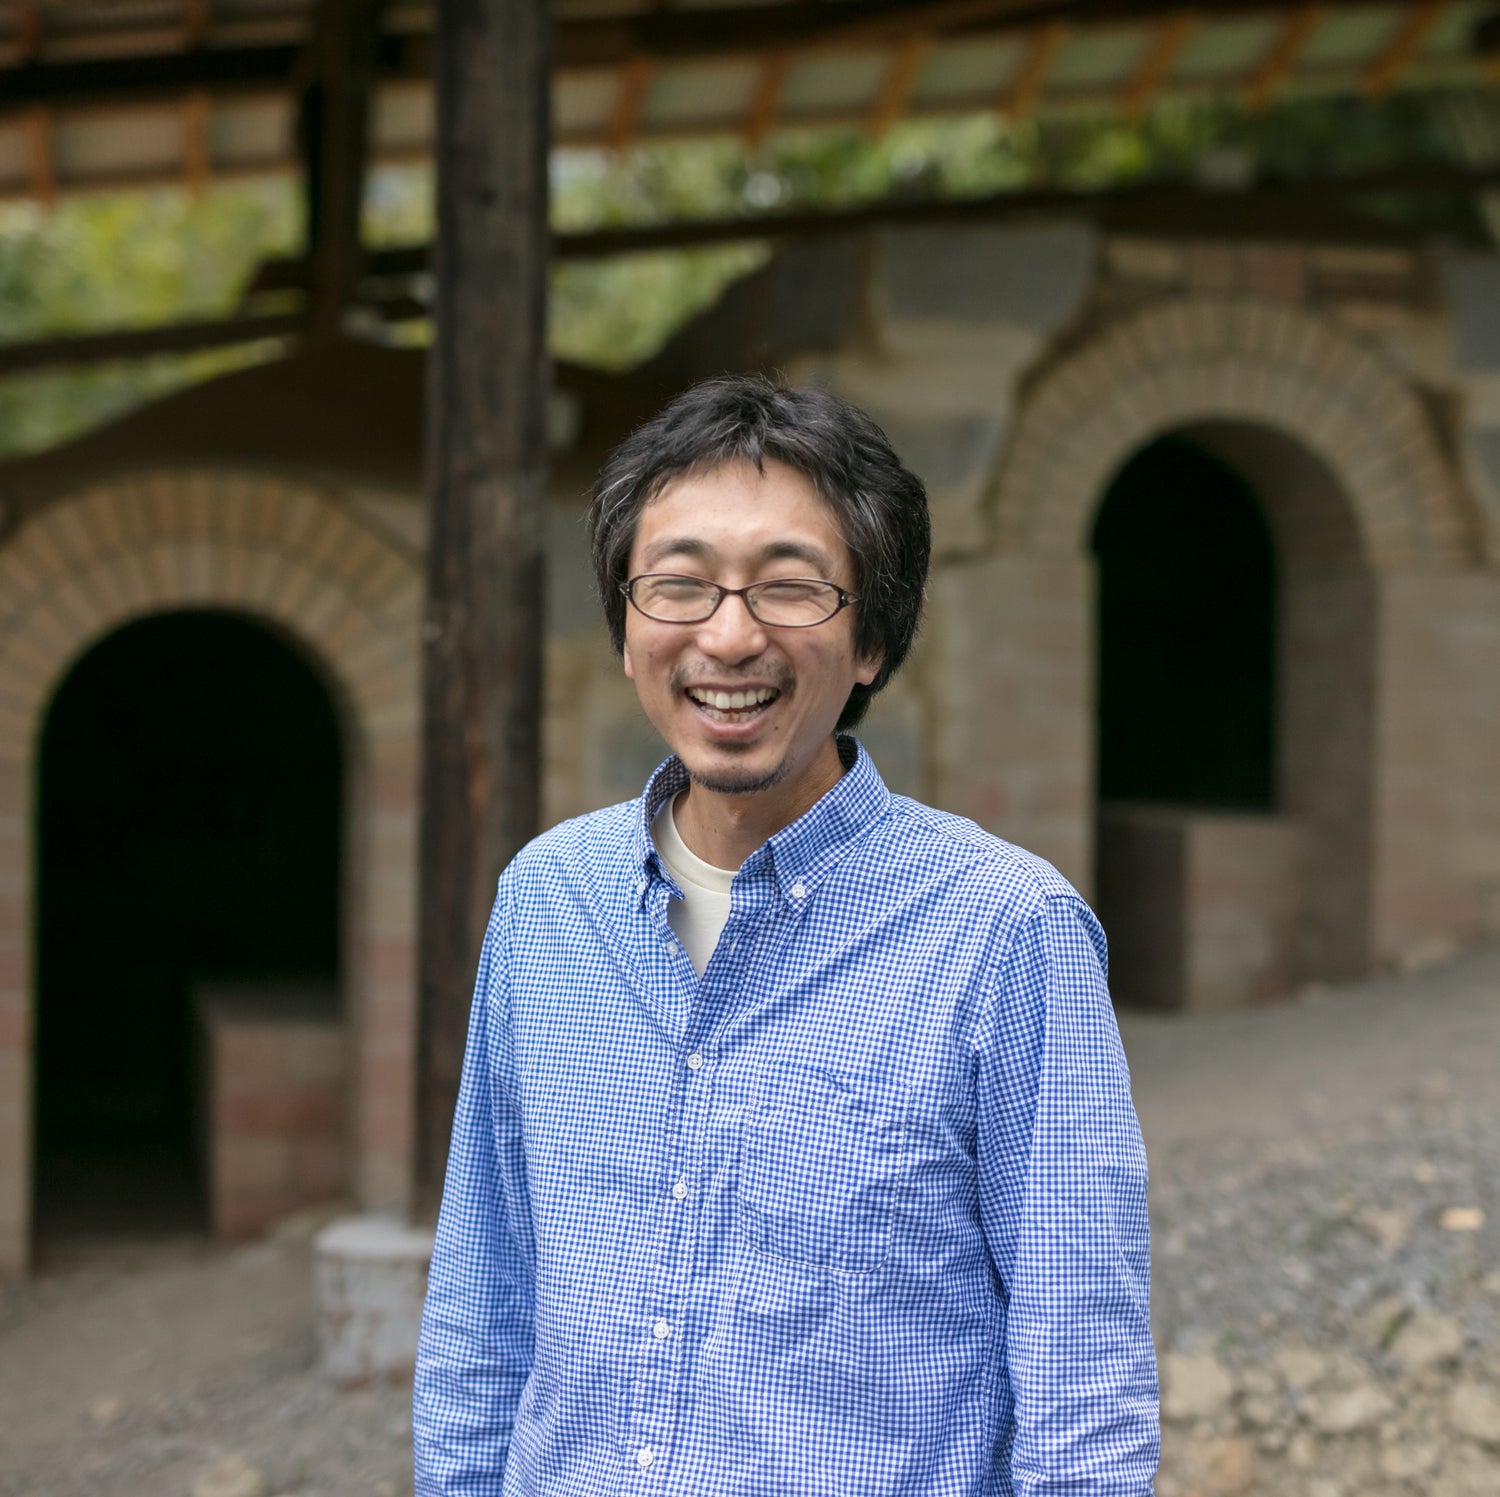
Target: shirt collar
[[799, 856]]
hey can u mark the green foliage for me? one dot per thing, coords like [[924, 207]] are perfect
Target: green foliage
[[129, 260]]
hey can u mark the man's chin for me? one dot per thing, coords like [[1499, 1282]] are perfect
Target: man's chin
[[729, 779]]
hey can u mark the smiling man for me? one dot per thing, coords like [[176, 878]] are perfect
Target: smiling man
[[795, 1154]]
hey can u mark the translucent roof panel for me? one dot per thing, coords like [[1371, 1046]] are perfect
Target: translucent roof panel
[[968, 71], [246, 131], [1228, 50], [689, 95], [153, 143], [830, 82], [1350, 36], [581, 104], [1089, 59], [403, 117]]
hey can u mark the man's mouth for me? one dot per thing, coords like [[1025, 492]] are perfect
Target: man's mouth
[[733, 706]]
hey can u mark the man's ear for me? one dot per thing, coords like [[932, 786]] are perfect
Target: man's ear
[[867, 667], [625, 658]]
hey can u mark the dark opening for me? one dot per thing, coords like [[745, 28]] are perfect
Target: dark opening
[[1186, 620], [189, 830]]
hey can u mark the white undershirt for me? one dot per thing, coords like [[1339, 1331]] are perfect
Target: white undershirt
[[702, 912]]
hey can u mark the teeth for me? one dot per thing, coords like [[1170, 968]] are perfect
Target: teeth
[[731, 701]]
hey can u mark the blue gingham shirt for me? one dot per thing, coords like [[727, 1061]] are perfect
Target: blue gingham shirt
[[860, 1213]]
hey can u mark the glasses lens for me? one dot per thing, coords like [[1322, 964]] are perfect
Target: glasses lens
[[794, 603], [675, 600]]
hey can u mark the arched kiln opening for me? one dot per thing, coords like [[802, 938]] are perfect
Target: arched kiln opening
[[188, 930]]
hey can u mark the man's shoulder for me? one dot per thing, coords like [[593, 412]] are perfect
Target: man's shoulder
[[961, 848], [577, 847]]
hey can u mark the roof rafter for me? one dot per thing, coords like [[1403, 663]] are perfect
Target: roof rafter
[[1403, 47], [39, 155], [1031, 76], [197, 159], [630, 99], [1281, 57], [900, 80], [1156, 66], [765, 104]]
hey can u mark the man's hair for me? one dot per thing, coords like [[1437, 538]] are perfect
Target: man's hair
[[880, 506]]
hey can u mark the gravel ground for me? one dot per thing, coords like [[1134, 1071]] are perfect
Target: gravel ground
[[1326, 1201]]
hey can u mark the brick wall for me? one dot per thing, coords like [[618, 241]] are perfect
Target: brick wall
[[273, 1118]]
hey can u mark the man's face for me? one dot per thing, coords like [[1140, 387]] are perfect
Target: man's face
[[734, 526]]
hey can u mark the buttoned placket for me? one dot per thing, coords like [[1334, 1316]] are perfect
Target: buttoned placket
[[710, 1004]]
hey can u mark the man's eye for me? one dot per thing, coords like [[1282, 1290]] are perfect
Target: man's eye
[[792, 592], [668, 589]]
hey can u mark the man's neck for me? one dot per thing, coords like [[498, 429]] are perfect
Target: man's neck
[[724, 829]]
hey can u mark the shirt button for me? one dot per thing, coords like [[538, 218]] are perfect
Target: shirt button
[[799, 890], [679, 1190], [640, 886], [661, 1330], [671, 948], [695, 1062], [644, 1457]]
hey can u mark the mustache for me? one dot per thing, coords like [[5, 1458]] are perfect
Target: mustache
[[782, 678]]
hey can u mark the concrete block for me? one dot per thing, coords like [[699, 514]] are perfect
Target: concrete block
[[372, 1278], [1472, 286], [1033, 278]]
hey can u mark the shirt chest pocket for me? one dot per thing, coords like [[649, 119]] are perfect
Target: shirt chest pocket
[[821, 1163]]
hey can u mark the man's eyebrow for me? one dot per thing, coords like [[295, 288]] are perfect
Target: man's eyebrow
[[697, 550], [676, 545]]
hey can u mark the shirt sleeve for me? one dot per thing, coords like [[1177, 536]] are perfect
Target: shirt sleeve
[[477, 1339], [1062, 1194]]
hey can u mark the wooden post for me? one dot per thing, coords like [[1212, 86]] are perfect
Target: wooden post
[[487, 383], [334, 124]]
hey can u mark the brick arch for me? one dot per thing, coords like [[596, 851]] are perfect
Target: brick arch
[[297, 559], [1190, 362]]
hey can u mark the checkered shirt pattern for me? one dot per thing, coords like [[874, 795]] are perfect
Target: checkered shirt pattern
[[860, 1213]]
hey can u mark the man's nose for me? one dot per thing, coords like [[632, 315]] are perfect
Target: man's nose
[[732, 633]]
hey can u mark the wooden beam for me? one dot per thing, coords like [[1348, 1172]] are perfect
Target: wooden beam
[[900, 80], [30, 31], [1156, 66], [1280, 58], [486, 453], [633, 85], [766, 103], [137, 343], [342, 93], [1031, 77], [196, 151], [38, 128], [1397, 54]]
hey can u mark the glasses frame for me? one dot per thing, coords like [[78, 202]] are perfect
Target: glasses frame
[[744, 593]]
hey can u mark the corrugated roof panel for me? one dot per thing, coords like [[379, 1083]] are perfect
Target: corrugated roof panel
[[829, 81], [87, 148], [403, 117], [1226, 49], [251, 130], [1354, 36], [720, 91], [1091, 58], [968, 70], [581, 104]]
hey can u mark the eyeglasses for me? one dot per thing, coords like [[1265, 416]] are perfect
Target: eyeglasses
[[781, 602]]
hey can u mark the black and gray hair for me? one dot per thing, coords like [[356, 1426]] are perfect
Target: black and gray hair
[[880, 505]]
